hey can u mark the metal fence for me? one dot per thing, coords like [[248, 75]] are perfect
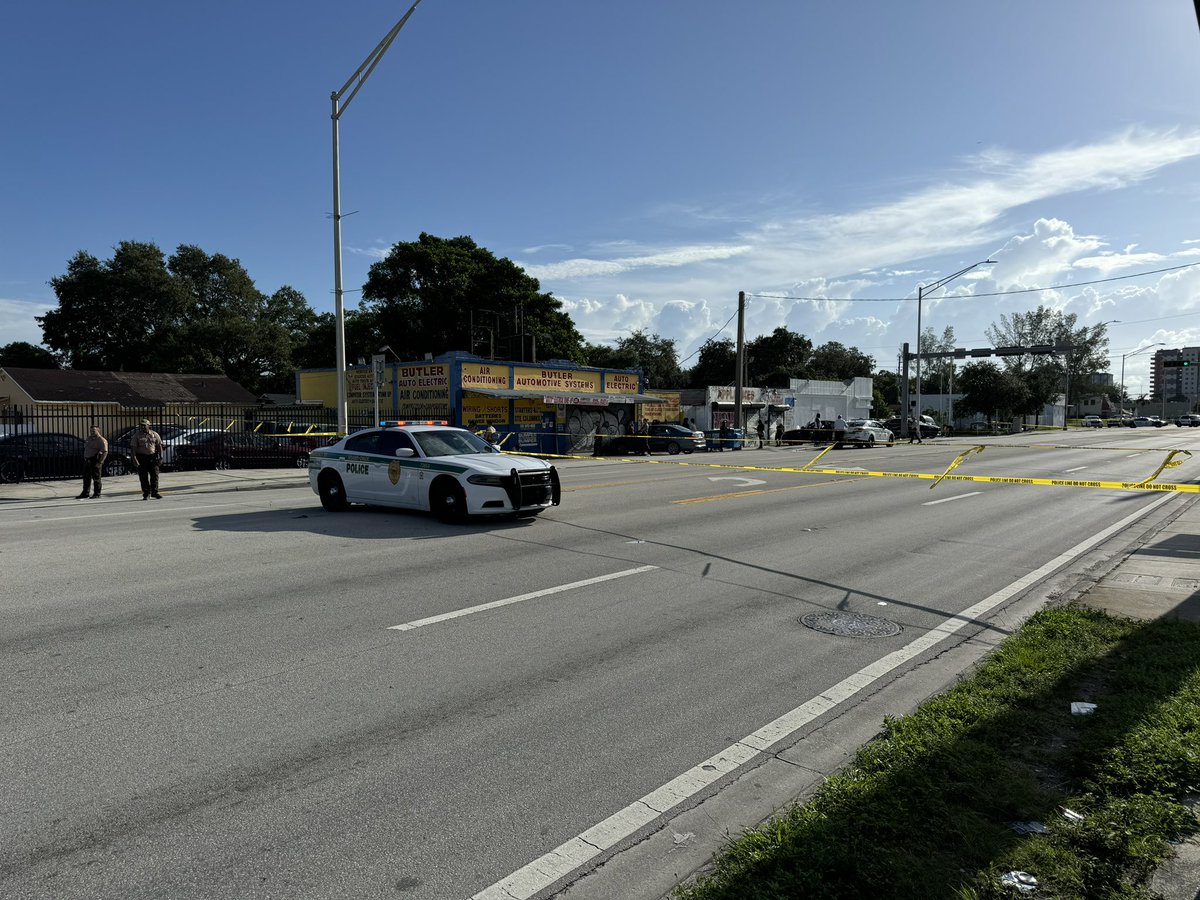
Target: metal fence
[[45, 440]]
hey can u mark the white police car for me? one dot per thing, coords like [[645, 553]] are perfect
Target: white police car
[[431, 466]]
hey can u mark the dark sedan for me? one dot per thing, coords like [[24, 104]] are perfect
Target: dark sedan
[[50, 455], [223, 450], [665, 438]]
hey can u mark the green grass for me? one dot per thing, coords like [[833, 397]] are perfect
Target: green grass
[[923, 811]]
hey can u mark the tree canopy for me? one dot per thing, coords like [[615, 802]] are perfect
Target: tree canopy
[[653, 354], [1045, 375], [434, 295], [27, 355], [195, 312]]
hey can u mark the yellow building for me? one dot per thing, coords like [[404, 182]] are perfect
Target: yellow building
[[552, 407]]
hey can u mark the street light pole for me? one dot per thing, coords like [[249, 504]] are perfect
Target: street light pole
[[922, 290], [1123, 358], [361, 74]]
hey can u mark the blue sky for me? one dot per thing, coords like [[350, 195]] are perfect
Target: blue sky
[[645, 159]]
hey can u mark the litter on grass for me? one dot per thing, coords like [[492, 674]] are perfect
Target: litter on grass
[[1027, 827], [1082, 709], [1070, 815], [1022, 881]]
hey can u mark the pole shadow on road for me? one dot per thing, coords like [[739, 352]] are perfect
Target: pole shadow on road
[[368, 523]]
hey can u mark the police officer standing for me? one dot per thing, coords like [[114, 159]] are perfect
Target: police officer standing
[[147, 449], [95, 451]]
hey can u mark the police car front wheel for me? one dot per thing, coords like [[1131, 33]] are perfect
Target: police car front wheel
[[331, 491], [447, 500]]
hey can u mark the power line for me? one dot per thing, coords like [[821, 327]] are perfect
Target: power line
[[711, 339], [1053, 287]]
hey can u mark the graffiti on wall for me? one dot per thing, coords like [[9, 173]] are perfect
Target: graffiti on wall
[[583, 424]]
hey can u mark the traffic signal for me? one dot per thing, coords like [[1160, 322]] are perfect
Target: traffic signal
[[1176, 363]]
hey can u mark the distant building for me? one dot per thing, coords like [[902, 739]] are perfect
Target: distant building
[[1179, 383]]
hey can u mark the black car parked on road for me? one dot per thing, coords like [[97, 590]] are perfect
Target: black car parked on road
[[40, 455], [665, 438], [225, 450]]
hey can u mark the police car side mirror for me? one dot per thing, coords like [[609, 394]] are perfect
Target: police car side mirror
[[405, 452]]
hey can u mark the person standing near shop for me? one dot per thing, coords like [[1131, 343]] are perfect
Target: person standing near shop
[[147, 449], [839, 430], [762, 433], [95, 451], [779, 433]]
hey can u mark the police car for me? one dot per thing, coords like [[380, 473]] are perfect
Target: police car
[[430, 466]]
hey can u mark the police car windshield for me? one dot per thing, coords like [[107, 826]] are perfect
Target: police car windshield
[[449, 442]]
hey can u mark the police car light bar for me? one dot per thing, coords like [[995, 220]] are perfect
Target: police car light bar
[[394, 424]]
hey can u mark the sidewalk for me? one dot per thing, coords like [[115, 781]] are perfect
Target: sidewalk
[[127, 487]]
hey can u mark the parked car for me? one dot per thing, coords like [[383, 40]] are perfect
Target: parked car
[[821, 433], [664, 438], [42, 455], [165, 430], [1188, 419], [169, 444], [225, 450], [929, 428], [1141, 422], [1092, 422], [867, 433], [1119, 421]]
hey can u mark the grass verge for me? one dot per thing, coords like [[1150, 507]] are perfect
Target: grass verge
[[925, 809]]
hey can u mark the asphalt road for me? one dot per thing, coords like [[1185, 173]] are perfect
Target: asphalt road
[[206, 696]]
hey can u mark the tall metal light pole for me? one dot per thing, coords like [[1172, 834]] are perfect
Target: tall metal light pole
[[361, 74], [922, 290], [1125, 356]]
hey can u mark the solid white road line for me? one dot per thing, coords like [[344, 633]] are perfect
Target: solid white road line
[[950, 499], [459, 613], [1077, 469], [148, 506], [581, 849]]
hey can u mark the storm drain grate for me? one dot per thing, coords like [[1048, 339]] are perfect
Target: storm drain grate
[[848, 624]]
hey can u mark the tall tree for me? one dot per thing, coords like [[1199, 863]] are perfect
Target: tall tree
[[935, 373], [1045, 375], [226, 327], [112, 315], [436, 294], [990, 390], [715, 365], [836, 362], [776, 358], [27, 355], [196, 312]]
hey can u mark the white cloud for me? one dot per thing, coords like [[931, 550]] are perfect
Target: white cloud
[[17, 322], [672, 258]]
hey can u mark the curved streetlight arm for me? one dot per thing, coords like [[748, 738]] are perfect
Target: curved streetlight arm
[[358, 79], [922, 290], [1125, 356], [360, 76]]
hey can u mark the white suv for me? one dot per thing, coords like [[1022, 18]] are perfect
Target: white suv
[[1092, 422]]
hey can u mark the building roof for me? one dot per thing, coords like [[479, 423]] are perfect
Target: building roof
[[126, 388]]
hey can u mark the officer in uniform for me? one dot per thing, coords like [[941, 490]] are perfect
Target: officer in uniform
[[147, 449], [95, 450]]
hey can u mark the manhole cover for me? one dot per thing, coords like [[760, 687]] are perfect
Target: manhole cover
[[850, 624]]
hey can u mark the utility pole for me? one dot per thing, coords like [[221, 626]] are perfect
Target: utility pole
[[904, 411], [741, 356]]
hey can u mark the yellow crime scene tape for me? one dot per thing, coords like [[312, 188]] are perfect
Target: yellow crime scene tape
[[1147, 484]]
